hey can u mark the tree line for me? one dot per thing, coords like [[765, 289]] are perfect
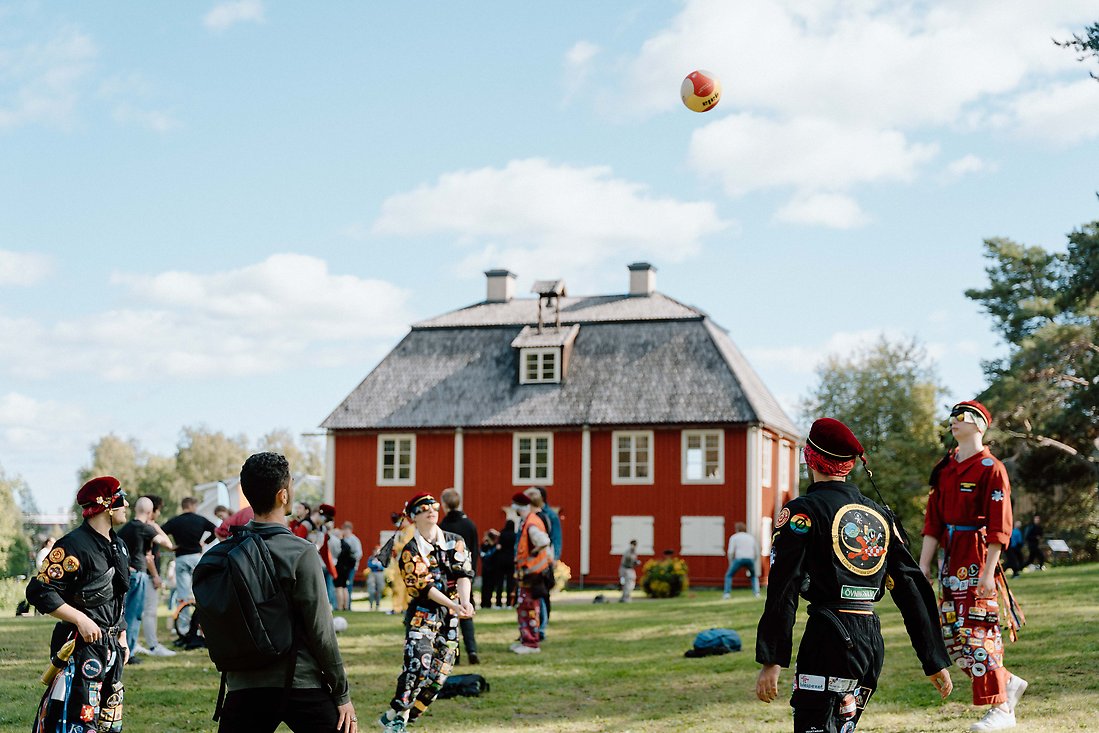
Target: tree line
[[200, 456], [1043, 393]]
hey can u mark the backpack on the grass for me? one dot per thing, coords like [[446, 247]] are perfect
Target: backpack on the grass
[[242, 609], [466, 685], [714, 641]]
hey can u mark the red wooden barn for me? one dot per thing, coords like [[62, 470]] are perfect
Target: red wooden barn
[[637, 413]]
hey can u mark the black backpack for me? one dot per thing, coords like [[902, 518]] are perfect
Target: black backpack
[[464, 685], [240, 605]]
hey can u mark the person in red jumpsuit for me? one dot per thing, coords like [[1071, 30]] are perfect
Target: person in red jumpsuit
[[969, 517]]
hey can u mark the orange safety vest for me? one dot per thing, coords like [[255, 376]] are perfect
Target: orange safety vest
[[525, 562]]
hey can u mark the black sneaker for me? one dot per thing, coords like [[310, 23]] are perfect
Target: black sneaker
[[473, 658], [133, 660]]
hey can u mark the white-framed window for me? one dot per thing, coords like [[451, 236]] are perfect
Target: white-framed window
[[397, 460], [767, 446], [632, 457], [539, 366], [624, 529], [532, 459], [702, 536], [703, 456], [784, 465]]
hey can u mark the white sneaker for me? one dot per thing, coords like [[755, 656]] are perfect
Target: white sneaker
[[527, 649], [1016, 686], [995, 719], [161, 651], [725, 596], [138, 649]]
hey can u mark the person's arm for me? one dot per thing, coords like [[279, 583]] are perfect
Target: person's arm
[[1000, 522], [774, 635], [151, 568], [932, 526], [538, 538], [209, 530], [310, 598]]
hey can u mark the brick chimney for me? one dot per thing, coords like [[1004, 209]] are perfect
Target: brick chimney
[[642, 279], [500, 286]]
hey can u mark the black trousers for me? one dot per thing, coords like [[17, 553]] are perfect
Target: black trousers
[[260, 710], [469, 636], [840, 646], [492, 586]]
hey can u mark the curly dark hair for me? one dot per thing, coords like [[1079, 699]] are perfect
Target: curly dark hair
[[263, 476]]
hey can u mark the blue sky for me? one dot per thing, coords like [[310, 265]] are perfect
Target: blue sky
[[226, 213]]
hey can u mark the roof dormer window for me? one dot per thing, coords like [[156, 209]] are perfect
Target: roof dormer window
[[540, 366], [544, 353]]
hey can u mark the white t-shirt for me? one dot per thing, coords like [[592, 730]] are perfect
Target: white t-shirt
[[742, 546]]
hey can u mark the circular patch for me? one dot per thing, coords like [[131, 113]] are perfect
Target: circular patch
[[42, 578], [91, 668], [979, 654], [848, 727], [963, 572], [801, 523], [57, 554], [973, 569], [45, 564], [978, 669], [988, 462], [860, 537], [114, 700], [978, 633], [70, 564], [55, 572], [783, 518]]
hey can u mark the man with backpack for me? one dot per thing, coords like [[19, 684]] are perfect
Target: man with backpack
[[263, 606]]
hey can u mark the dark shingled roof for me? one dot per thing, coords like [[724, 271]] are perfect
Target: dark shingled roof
[[635, 361]]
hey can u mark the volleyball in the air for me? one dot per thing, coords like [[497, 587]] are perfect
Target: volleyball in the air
[[700, 91]]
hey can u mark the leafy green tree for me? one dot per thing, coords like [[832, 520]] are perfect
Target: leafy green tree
[[203, 455], [1085, 45], [15, 546], [114, 456], [1045, 392], [887, 394], [306, 456]]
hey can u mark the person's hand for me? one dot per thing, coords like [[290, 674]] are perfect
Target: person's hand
[[767, 683], [347, 723], [124, 647], [986, 587], [926, 570], [941, 680], [157, 582], [466, 610], [89, 630]]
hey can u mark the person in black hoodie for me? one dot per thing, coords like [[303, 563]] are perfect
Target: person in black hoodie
[[456, 522]]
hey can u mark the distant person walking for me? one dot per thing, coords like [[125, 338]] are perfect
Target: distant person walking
[[350, 540], [191, 531], [1036, 556], [533, 561], [742, 552], [375, 580], [492, 579], [1013, 555], [139, 535], [627, 572]]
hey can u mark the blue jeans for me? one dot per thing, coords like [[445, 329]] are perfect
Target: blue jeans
[[185, 572], [135, 604], [330, 588], [750, 566]]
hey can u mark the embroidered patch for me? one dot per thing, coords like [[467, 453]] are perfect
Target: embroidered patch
[[963, 572], [973, 569], [801, 523], [115, 700], [811, 682], [997, 495], [988, 462], [57, 554], [859, 538], [978, 669], [42, 578], [70, 564], [863, 695], [967, 488], [91, 668], [45, 564], [93, 693], [857, 593], [87, 713], [55, 572], [783, 518], [848, 727]]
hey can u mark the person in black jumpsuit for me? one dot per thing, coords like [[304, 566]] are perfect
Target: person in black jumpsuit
[[840, 551], [83, 583]]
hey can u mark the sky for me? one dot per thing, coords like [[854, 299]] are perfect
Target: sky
[[226, 213]]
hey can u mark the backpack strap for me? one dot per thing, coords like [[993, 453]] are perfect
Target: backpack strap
[[221, 699]]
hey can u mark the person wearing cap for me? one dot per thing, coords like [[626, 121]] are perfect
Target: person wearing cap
[[82, 582], [533, 568], [969, 517], [437, 570], [840, 551]]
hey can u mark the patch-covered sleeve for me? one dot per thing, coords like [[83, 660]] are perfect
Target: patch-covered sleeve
[[61, 572], [774, 635], [997, 488], [416, 573], [461, 565], [915, 598]]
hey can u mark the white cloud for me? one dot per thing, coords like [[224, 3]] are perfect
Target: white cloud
[[532, 213], [832, 210], [151, 119], [748, 152], [254, 320], [227, 14], [1063, 114], [29, 425], [23, 268], [967, 165], [578, 65], [40, 80], [805, 359]]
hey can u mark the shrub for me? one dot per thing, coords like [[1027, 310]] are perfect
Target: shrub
[[664, 578]]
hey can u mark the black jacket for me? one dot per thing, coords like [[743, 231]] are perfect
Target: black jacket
[[834, 546]]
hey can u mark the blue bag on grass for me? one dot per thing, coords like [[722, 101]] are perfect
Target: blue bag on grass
[[714, 641]]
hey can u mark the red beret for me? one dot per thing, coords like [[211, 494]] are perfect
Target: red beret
[[412, 506], [973, 406], [520, 499], [327, 510], [98, 494], [834, 439]]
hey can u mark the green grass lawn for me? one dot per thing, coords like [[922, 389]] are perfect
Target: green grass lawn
[[621, 668]]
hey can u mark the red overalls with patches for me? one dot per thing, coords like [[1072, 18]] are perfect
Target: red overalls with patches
[[968, 508]]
